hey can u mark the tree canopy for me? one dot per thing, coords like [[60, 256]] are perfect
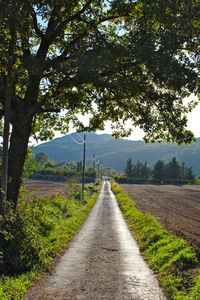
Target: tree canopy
[[116, 60], [42, 158]]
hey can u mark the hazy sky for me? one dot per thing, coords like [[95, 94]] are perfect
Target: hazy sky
[[193, 125]]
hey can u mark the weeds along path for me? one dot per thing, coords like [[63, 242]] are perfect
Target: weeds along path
[[102, 262], [177, 208]]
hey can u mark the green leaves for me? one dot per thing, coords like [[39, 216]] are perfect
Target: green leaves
[[33, 235], [116, 60], [96, 52]]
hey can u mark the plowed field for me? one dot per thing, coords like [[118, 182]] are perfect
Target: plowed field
[[177, 208], [45, 188]]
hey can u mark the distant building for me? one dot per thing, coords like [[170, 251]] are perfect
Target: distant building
[[65, 165]]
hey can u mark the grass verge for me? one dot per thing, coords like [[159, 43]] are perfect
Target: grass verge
[[31, 237], [170, 257]]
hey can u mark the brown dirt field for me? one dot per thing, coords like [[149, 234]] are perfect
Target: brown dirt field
[[177, 208], [45, 188]]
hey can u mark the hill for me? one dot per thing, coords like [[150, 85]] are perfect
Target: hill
[[114, 153]]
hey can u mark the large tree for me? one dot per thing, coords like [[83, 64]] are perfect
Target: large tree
[[173, 170], [129, 168], [159, 170], [42, 158], [116, 59]]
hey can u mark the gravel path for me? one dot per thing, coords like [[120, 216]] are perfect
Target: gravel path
[[102, 262]]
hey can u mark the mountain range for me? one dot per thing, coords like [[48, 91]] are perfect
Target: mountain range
[[114, 153]]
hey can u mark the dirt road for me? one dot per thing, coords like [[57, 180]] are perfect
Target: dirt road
[[102, 262]]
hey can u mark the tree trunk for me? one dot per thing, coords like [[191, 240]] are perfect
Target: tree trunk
[[4, 169], [21, 130], [6, 133]]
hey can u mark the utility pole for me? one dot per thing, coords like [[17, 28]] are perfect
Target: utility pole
[[101, 172], [98, 170], [94, 168], [83, 181]]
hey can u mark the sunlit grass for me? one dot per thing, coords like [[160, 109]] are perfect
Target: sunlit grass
[[53, 223], [170, 257]]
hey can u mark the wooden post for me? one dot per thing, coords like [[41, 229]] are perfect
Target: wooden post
[[83, 180], [98, 171], [94, 168]]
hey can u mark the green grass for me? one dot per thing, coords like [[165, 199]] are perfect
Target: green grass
[[31, 238], [170, 257]]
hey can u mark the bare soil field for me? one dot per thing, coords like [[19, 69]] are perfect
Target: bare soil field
[[45, 188], [177, 208]]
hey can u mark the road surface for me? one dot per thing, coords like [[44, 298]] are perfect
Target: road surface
[[102, 262]]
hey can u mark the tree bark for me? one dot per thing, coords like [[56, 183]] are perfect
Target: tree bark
[[21, 130], [6, 132]]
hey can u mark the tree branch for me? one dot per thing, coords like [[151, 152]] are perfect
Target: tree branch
[[38, 109], [78, 14], [70, 45], [53, 28], [113, 17], [35, 23], [51, 110], [73, 17], [96, 29], [2, 113]]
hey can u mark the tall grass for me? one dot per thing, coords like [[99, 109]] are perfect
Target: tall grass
[[170, 257], [31, 237]]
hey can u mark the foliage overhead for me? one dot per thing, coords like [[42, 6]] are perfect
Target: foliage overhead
[[114, 60], [117, 60]]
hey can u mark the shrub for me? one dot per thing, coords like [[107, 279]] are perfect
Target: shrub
[[31, 236], [20, 243]]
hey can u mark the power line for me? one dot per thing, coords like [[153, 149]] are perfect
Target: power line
[[80, 137], [76, 141], [90, 155], [81, 143]]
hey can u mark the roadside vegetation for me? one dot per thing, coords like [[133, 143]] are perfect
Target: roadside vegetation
[[39, 166], [170, 257], [42, 167], [162, 173], [35, 233]]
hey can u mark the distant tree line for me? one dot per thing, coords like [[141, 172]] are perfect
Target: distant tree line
[[39, 164], [162, 173]]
